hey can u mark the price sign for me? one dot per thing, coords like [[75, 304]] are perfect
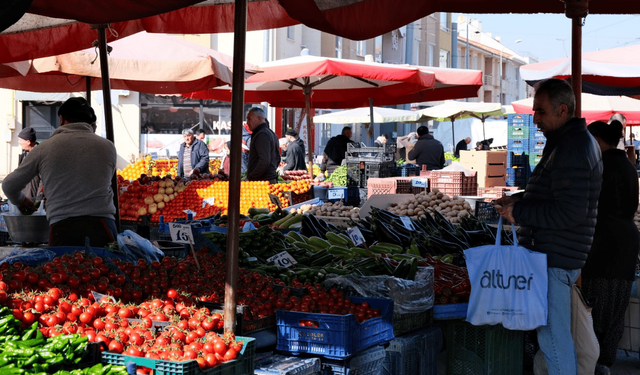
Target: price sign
[[189, 212], [98, 297], [181, 233], [407, 222], [275, 200], [355, 235], [335, 194], [209, 201], [282, 259], [420, 182]]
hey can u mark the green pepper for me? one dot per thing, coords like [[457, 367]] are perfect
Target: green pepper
[[40, 367], [33, 359], [21, 352], [27, 335], [62, 372], [4, 360], [45, 353], [30, 343]]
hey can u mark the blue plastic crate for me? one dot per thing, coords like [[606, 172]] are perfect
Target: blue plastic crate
[[519, 120], [518, 146], [407, 170], [350, 195], [415, 353], [450, 311], [242, 365], [536, 147], [517, 159], [515, 173], [368, 362], [277, 364], [337, 336], [536, 135]]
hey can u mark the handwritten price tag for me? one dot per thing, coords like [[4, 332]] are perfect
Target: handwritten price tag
[[275, 200], [181, 233], [335, 194], [355, 235], [283, 259], [420, 182], [209, 201], [407, 222]]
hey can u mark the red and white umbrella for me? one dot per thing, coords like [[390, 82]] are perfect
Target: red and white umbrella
[[614, 71], [151, 63], [595, 107]]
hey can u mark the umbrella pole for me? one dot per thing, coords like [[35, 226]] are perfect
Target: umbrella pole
[[453, 134], [576, 63], [371, 114], [307, 104], [484, 136], [88, 84], [237, 115], [108, 117]]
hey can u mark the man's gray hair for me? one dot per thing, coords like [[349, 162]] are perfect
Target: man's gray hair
[[618, 116], [187, 131], [258, 112], [559, 92]]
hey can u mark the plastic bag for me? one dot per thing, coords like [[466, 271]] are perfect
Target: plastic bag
[[137, 247], [508, 285], [408, 296], [30, 257]]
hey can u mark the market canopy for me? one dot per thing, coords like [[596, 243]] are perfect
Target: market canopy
[[595, 107], [451, 110], [614, 71], [363, 116], [151, 63]]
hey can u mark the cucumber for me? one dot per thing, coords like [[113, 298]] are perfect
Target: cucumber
[[336, 240], [358, 251], [292, 220], [346, 238], [319, 242], [279, 222], [257, 211], [379, 249], [296, 236], [395, 248], [339, 250]]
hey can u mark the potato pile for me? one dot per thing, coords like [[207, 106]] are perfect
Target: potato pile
[[303, 209], [337, 209], [452, 208]]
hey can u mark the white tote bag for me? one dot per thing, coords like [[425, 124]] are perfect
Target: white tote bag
[[508, 285]]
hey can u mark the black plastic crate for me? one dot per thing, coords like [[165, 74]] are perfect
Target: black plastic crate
[[380, 170], [4, 238], [245, 322], [486, 212], [356, 174]]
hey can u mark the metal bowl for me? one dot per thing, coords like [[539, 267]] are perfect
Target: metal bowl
[[27, 228]]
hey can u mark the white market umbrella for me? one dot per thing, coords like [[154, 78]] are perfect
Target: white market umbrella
[[362, 115], [452, 110]]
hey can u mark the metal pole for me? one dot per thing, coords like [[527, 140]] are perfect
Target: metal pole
[[466, 21], [237, 115], [371, 114], [501, 50], [307, 105], [576, 63], [201, 115], [108, 117], [88, 85]]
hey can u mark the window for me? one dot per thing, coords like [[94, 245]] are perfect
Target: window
[[339, 47], [42, 117], [377, 49], [444, 59], [444, 25], [475, 62], [361, 47], [432, 52], [291, 33], [416, 52]]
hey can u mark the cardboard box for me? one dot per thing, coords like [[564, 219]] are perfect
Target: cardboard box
[[482, 157]]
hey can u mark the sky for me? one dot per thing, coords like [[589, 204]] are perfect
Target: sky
[[548, 36]]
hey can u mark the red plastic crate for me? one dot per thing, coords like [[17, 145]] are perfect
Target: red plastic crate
[[454, 183], [381, 186], [403, 185]]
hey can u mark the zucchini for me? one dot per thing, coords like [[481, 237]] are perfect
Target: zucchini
[[336, 240], [279, 222], [294, 219], [319, 242], [257, 211]]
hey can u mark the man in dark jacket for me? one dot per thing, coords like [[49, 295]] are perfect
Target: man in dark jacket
[[557, 211], [462, 146], [295, 152], [427, 151], [335, 150], [193, 155], [264, 153]]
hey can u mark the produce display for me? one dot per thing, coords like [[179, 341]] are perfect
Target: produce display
[[452, 208], [338, 177], [337, 209], [145, 165], [296, 175]]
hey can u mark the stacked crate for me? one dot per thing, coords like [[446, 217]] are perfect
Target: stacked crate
[[369, 162], [537, 141], [518, 131], [489, 165]]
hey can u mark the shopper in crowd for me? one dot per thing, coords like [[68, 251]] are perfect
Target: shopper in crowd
[[557, 212], [335, 150], [77, 167], [623, 120], [264, 153], [610, 268], [405, 145], [295, 160], [633, 142], [462, 146], [381, 140], [193, 156], [202, 135], [225, 164], [486, 144], [246, 141], [427, 151], [27, 141]]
